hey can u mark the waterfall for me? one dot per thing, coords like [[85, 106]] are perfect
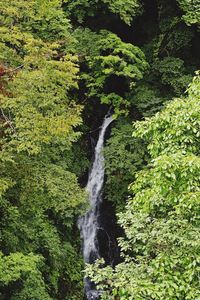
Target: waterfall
[[89, 224]]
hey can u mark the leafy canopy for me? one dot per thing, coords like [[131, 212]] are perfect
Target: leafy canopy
[[113, 67], [82, 9], [161, 249], [191, 10], [39, 195]]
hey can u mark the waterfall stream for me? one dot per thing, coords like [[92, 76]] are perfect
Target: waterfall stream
[[89, 224]]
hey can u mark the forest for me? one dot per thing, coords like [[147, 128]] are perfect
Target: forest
[[64, 66]]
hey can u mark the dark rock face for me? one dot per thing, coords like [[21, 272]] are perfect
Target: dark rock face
[[108, 233]]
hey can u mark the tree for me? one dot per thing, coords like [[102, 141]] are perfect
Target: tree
[[124, 156], [112, 67], [82, 9], [40, 195], [191, 10]]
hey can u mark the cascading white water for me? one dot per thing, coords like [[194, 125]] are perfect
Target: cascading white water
[[89, 223]]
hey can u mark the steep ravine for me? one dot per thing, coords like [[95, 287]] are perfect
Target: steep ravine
[[98, 223]]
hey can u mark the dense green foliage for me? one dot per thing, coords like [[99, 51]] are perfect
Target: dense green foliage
[[81, 9], [161, 221], [109, 64], [191, 11], [63, 65], [40, 195], [125, 155]]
